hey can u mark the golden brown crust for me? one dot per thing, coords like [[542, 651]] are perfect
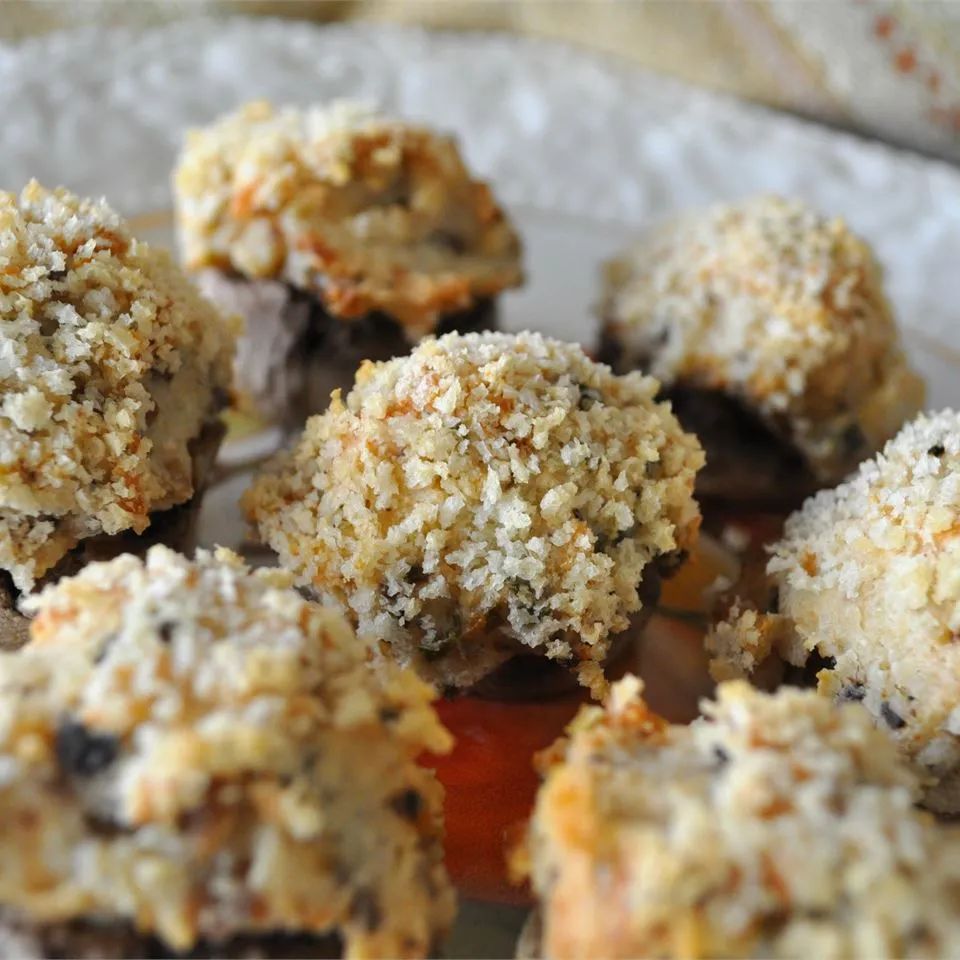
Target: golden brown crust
[[776, 826], [110, 366], [194, 749], [366, 212], [778, 307], [868, 576], [487, 494]]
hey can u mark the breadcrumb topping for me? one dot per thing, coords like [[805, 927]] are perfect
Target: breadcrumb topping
[[110, 364], [868, 574], [487, 494], [194, 748], [367, 212], [774, 826], [781, 308]]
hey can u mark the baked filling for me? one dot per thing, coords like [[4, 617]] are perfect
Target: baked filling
[[862, 600], [772, 826], [780, 308], [746, 458], [174, 527], [532, 676], [114, 363], [294, 352], [486, 496], [370, 212], [195, 783]]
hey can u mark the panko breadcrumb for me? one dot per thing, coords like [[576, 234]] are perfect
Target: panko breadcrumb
[[774, 826], [777, 308], [111, 367], [489, 494], [369, 213], [195, 752], [867, 579]]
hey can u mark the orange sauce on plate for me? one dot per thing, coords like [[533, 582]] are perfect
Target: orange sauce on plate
[[489, 776]]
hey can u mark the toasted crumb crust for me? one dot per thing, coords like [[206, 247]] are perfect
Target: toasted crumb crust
[[367, 212], [194, 749], [868, 575], [110, 364], [488, 493], [775, 826], [777, 306]]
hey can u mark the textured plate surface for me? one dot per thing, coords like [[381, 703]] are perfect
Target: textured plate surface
[[586, 152]]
